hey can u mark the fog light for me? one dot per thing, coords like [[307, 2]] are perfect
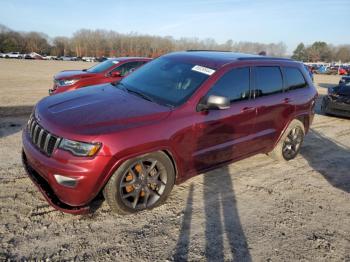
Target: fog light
[[65, 181]]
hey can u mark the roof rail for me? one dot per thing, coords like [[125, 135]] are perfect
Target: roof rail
[[206, 50], [263, 58]]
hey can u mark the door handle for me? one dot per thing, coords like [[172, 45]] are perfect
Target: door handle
[[247, 108]]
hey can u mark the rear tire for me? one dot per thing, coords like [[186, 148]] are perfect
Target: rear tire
[[289, 145], [140, 183]]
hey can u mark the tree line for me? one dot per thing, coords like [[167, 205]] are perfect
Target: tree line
[[99, 43], [321, 51]]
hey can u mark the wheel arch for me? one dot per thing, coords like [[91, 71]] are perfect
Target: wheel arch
[[305, 119], [173, 161], [117, 163], [302, 118]]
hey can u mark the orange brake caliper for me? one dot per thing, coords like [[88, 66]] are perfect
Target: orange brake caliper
[[128, 178], [139, 170]]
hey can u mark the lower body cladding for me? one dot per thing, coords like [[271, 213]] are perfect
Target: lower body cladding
[[334, 107], [68, 183]]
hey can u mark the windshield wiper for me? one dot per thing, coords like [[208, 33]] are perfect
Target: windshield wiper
[[119, 85], [138, 93], [146, 97]]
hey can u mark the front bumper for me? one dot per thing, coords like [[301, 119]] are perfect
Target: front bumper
[[90, 174], [45, 188]]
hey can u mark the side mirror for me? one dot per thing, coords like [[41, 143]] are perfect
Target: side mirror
[[213, 102], [115, 74]]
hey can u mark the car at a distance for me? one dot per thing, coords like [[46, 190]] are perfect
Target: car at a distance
[[111, 70], [337, 100], [345, 80], [17, 55], [309, 70]]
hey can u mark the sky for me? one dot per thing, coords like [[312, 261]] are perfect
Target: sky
[[266, 21]]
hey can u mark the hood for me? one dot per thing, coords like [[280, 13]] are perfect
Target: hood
[[97, 110], [70, 74], [343, 90]]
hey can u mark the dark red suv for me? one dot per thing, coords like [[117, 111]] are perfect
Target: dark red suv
[[179, 115], [111, 70]]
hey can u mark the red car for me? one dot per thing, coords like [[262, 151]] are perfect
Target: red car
[[110, 70], [180, 115], [342, 71]]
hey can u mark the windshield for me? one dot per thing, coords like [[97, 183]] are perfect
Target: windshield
[[166, 81], [102, 66]]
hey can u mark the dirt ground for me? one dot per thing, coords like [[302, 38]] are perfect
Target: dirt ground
[[253, 210]]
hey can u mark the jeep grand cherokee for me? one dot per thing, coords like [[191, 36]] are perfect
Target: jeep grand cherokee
[[177, 116]]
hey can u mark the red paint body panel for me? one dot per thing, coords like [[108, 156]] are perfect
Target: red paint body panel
[[129, 126], [89, 79]]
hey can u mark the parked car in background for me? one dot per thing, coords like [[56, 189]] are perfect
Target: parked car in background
[[17, 55], [108, 71], [337, 101], [88, 59], [347, 68], [101, 59], [28, 56], [309, 70], [342, 71], [177, 116], [50, 57], [321, 69], [345, 80], [67, 58]]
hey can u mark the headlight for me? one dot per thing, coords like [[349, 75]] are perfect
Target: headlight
[[67, 82], [79, 148]]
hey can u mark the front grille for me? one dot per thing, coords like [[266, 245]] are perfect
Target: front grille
[[41, 138]]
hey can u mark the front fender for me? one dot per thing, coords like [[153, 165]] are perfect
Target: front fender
[[116, 162]]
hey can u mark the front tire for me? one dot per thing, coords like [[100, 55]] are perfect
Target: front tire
[[289, 145], [140, 183], [324, 106]]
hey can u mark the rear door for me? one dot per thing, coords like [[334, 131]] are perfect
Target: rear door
[[298, 91], [223, 135], [274, 106]]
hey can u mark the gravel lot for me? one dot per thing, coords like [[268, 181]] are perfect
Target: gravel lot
[[253, 210]]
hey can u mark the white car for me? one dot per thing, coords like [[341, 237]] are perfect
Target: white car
[[13, 55], [88, 59], [50, 57], [68, 58]]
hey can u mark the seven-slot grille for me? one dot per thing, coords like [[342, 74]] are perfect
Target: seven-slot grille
[[41, 138]]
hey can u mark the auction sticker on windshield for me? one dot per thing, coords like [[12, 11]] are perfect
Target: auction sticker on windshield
[[203, 70], [115, 62]]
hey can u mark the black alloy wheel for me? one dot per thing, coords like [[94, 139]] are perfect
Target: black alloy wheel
[[292, 143]]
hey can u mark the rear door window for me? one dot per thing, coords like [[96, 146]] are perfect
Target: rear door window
[[233, 85], [268, 80], [294, 78]]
